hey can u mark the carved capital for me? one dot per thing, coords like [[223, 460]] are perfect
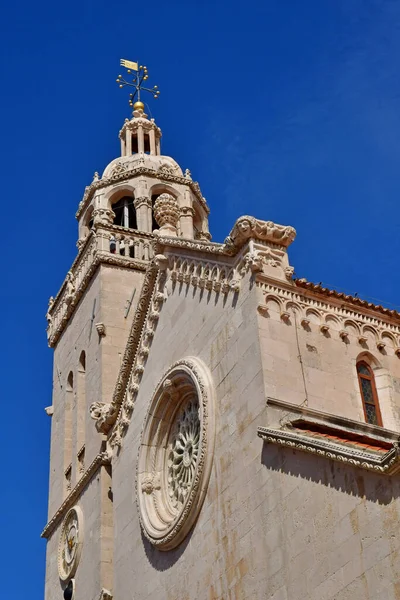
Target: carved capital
[[186, 211], [142, 200]]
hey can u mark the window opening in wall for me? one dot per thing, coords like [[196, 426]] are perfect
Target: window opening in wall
[[80, 417], [125, 213], [135, 146], [369, 396], [154, 224], [69, 396], [146, 143]]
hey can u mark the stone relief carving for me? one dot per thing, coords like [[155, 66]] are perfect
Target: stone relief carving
[[166, 213], [206, 275], [130, 173], [49, 317], [101, 329], [176, 453], [249, 227], [119, 169], [103, 216], [70, 543], [70, 288]]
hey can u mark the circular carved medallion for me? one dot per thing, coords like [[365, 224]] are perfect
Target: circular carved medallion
[[70, 544], [175, 455]]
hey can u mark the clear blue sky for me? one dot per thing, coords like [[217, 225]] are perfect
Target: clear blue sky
[[286, 110]]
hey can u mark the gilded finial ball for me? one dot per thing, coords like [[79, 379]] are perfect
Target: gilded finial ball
[[138, 106]]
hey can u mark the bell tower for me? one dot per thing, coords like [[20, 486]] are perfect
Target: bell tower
[[139, 195]]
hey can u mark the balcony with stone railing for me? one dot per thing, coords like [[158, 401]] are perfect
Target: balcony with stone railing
[[106, 244]]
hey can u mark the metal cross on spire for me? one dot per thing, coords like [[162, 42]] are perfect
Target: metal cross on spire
[[141, 75]]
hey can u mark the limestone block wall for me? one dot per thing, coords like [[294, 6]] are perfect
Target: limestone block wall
[[95, 566], [104, 301], [74, 339], [323, 530], [300, 360], [276, 523], [215, 560], [118, 287]]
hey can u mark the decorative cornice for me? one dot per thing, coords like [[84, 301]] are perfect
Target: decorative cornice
[[387, 464], [199, 245], [124, 175], [330, 310], [339, 422], [323, 291], [103, 458]]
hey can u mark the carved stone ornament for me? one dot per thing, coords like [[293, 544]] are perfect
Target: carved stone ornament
[[103, 216], [176, 453], [70, 544], [101, 329], [249, 227], [166, 213]]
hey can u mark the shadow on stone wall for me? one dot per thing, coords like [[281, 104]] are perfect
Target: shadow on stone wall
[[345, 478], [164, 560]]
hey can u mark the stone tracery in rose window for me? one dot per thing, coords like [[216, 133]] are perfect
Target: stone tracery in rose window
[[183, 451]]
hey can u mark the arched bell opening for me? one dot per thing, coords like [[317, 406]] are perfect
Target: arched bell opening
[[125, 213]]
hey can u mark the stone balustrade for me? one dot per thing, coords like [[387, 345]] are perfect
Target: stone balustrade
[[132, 244]]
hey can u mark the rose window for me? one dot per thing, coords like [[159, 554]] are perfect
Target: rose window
[[175, 455]]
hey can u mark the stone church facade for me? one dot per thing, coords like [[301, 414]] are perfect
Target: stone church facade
[[220, 429]]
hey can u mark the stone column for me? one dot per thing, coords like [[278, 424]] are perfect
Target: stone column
[[143, 210], [158, 146], [123, 152], [128, 136], [152, 138], [140, 139], [186, 221]]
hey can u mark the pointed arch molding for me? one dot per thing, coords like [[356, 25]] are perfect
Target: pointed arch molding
[[176, 453]]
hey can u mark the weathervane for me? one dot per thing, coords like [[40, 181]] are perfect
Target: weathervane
[[137, 81]]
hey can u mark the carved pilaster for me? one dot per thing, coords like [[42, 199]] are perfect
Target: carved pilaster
[[142, 206], [186, 221]]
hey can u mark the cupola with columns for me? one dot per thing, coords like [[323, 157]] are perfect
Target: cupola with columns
[[143, 190]]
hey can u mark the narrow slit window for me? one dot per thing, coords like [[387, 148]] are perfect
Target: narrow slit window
[[369, 396]]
